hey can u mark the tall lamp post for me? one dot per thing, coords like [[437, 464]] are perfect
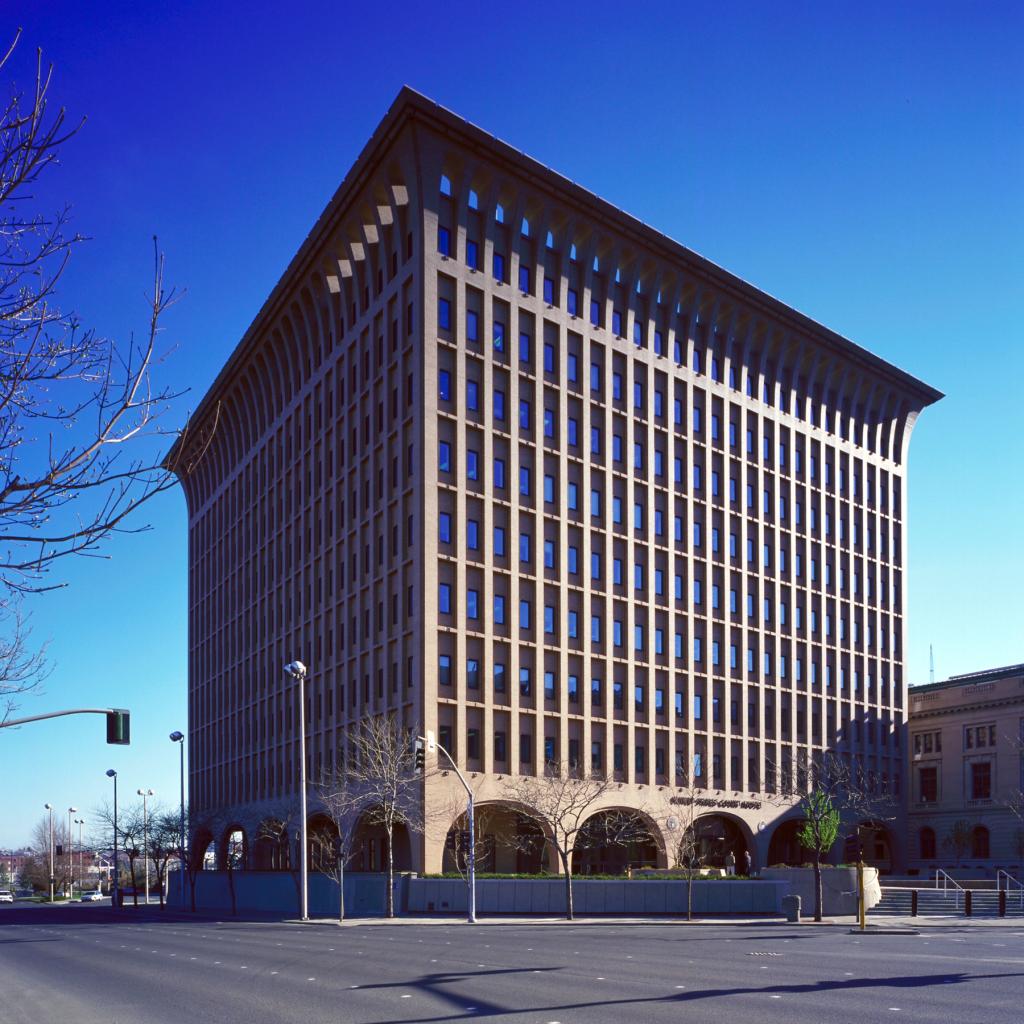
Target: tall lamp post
[[145, 793], [179, 738], [71, 851], [298, 672], [80, 822], [49, 807], [111, 774]]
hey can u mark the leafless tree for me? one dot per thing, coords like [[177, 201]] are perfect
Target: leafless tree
[[279, 829], [164, 844], [958, 839], [832, 790], [332, 847], [79, 413], [485, 824], [381, 766], [130, 837], [562, 803], [37, 869], [679, 820]]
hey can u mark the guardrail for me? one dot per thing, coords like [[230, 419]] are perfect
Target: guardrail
[[1010, 881], [948, 882]]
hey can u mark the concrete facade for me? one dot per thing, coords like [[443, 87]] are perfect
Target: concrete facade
[[501, 460], [966, 765]]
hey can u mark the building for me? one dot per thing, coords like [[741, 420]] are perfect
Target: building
[[966, 755], [503, 460]]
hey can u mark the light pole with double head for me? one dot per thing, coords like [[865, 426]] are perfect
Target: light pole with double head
[[79, 822], [298, 672], [71, 853], [49, 807], [111, 774], [145, 794], [179, 738]]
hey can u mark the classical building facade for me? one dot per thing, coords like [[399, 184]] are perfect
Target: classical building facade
[[966, 756], [501, 460]]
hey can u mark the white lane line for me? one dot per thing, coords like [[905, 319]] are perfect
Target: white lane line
[[776, 997], [311, 979], [407, 997], [680, 986]]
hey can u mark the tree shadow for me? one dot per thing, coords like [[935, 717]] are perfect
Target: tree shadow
[[429, 983]]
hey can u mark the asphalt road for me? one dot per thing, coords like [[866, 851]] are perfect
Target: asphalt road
[[73, 964]]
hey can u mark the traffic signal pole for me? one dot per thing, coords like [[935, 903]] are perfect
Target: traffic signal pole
[[118, 721]]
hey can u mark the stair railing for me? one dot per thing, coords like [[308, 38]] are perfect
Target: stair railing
[[1004, 880], [946, 882]]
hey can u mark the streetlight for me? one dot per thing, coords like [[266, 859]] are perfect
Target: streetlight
[[298, 671], [71, 855], [49, 807], [179, 738], [79, 822], [111, 774], [144, 793]]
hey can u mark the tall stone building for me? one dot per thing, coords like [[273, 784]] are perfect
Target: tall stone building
[[503, 460]]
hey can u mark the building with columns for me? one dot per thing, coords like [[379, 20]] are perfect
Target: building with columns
[[966, 781], [501, 460]]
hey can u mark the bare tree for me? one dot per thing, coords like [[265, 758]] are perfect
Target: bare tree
[[164, 844], [37, 869], [562, 803], [831, 790], [130, 841], [78, 411], [381, 766], [686, 849], [958, 839], [342, 803]]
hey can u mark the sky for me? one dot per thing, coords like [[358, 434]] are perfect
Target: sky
[[863, 163]]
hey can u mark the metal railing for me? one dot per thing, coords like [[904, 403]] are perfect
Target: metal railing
[[1010, 882], [947, 882]]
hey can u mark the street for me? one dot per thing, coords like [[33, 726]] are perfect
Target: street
[[76, 964]]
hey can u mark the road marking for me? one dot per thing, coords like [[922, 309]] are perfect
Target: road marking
[[680, 986], [407, 997], [776, 997], [600, 979], [311, 979], [273, 972], [896, 1008], [244, 968]]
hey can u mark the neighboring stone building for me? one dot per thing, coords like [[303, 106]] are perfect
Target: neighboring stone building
[[966, 756], [505, 461]]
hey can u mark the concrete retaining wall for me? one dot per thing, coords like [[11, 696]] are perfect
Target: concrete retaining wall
[[278, 892], [513, 896]]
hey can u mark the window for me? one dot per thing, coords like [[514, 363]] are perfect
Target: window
[[499, 678], [472, 254], [444, 528], [472, 395], [472, 604], [472, 465], [444, 670], [549, 685], [928, 785], [444, 457], [499, 609], [498, 333], [524, 614], [524, 279], [472, 326], [498, 267], [926, 844], [444, 314], [500, 751], [472, 674], [444, 241], [981, 780], [524, 347], [525, 686], [444, 386], [979, 842], [499, 474], [444, 599], [549, 291]]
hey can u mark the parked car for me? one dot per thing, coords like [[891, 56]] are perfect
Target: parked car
[[92, 896], [6, 896]]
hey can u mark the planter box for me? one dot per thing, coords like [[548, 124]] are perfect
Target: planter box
[[838, 888]]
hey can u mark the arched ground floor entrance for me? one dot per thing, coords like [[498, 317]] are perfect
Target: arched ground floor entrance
[[715, 837]]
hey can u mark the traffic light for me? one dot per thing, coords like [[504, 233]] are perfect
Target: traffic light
[[119, 726], [420, 755]]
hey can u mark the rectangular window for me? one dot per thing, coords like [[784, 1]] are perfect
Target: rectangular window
[[444, 457], [472, 254], [444, 599], [472, 465], [444, 670], [444, 314], [444, 386], [981, 780], [525, 686], [444, 528], [444, 241], [472, 599]]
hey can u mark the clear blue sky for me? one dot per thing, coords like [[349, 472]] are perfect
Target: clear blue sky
[[862, 163]]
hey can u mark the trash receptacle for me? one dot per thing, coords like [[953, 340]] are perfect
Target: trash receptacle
[[791, 908]]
